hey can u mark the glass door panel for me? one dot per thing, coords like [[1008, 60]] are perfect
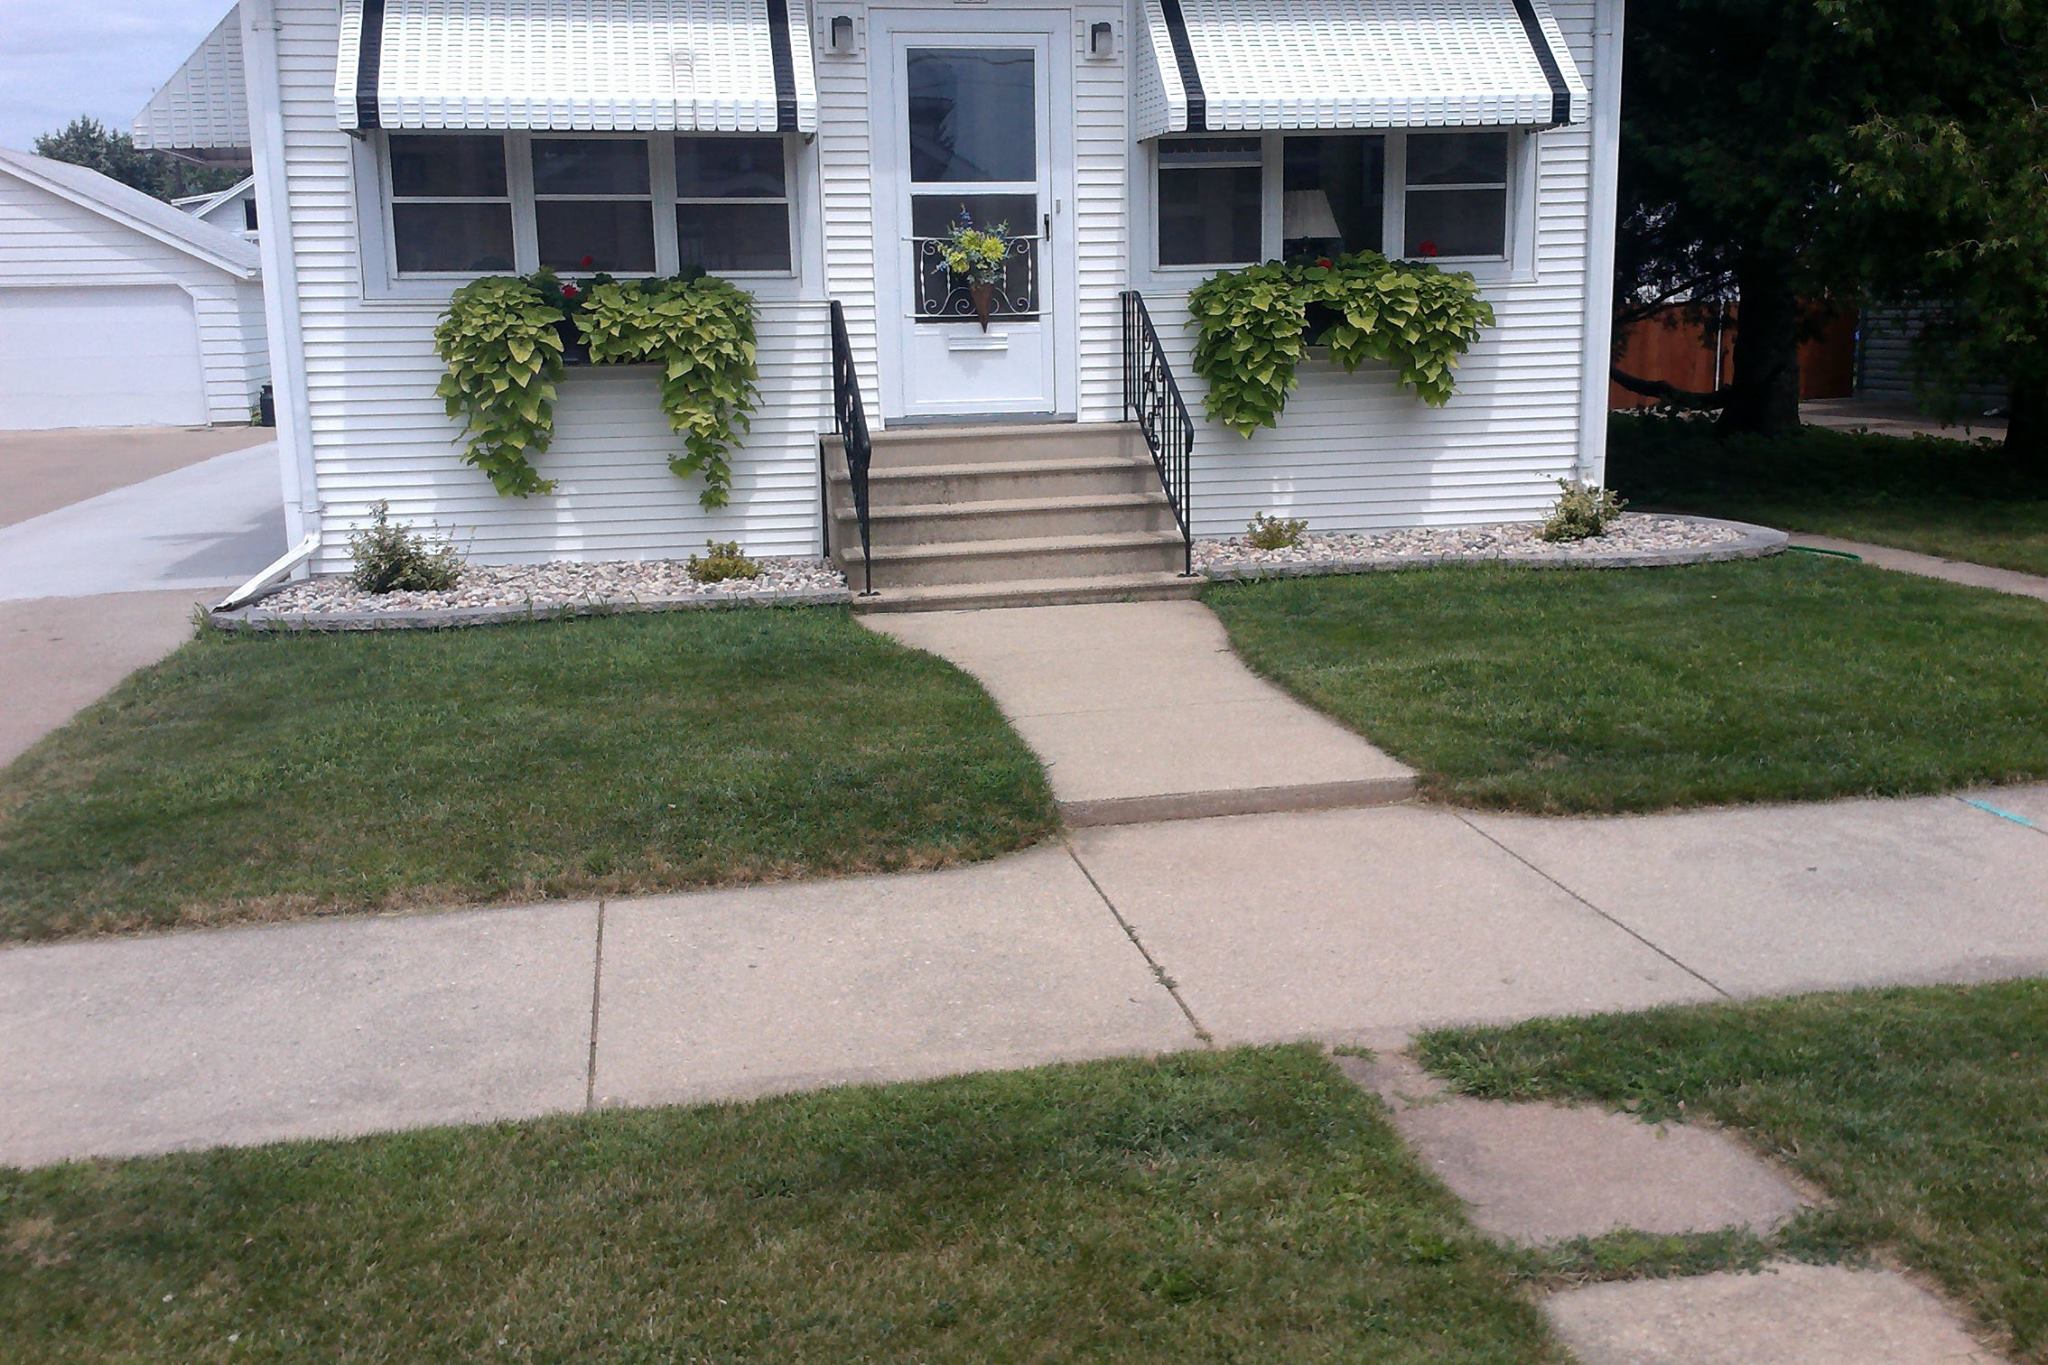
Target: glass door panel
[[972, 122]]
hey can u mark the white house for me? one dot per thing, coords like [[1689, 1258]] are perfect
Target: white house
[[116, 309], [232, 209], [812, 153]]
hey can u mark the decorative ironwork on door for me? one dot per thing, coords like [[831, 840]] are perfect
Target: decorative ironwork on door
[[942, 296]]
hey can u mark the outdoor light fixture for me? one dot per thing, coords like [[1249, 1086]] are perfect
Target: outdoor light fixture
[[1101, 42], [842, 35]]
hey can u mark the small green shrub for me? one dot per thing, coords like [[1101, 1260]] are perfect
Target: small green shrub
[[1582, 511], [721, 562], [1268, 532], [392, 558]]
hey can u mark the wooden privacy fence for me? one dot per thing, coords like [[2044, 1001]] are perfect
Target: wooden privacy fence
[[1694, 349]]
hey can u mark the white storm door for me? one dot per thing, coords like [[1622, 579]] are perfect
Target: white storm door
[[964, 132]]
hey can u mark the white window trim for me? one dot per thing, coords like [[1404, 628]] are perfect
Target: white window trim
[[1517, 266], [377, 249]]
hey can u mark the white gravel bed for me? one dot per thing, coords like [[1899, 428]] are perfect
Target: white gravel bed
[[498, 592], [1633, 539]]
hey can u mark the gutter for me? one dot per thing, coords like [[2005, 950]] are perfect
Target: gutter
[[1605, 135], [278, 568]]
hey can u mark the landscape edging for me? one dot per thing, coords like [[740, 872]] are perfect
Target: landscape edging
[[1758, 542]]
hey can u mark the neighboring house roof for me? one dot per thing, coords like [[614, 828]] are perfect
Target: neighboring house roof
[[204, 106], [133, 209], [199, 205]]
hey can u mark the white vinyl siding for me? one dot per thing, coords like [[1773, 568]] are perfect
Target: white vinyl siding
[[1351, 453], [378, 431], [1356, 453], [48, 242]]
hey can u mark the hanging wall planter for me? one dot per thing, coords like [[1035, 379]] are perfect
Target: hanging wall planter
[[505, 340]]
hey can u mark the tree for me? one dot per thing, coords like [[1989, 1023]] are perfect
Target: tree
[[1950, 179], [86, 142], [1728, 179]]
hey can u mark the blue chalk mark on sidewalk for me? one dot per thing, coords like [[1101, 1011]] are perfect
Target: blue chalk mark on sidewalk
[[1987, 807]]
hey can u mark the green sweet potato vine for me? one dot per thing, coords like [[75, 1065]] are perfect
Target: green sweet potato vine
[[502, 343], [701, 332], [1254, 326], [504, 340]]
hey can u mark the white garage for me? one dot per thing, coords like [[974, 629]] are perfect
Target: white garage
[[116, 309]]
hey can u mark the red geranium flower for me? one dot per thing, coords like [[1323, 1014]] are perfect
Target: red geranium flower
[[589, 261], [569, 291], [1326, 263], [1425, 248]]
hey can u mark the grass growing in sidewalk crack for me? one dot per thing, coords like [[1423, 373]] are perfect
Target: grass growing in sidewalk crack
[[1922, 1113], [253, 778]]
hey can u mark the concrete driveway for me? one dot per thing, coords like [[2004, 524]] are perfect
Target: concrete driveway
[[212, 522], [46, 470], [108, 539]]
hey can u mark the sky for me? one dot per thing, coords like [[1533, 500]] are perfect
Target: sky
[[63, 58]]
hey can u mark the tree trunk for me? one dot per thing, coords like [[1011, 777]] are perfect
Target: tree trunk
[[1763, 396], [2026, 432]]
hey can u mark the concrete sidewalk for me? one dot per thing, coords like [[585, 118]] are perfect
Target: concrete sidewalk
[[1933, 566], [1339, 925], [1142, 712]]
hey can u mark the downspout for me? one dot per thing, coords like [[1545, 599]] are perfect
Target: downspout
[[281, 319], [1600, 227]]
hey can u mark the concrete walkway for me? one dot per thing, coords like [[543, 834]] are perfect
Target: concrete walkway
[[1895, 419], [1337, 925], [1141, 712], [1933, 566]]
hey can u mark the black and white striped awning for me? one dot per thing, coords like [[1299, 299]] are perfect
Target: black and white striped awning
[[1251, 65], [732, 66]]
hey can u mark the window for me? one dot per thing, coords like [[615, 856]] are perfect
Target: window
[[470, 204], [732, 203], [1333, 195], [593, 204], [1209, 201], [451, 206], [1419, 195], [1457, 195]]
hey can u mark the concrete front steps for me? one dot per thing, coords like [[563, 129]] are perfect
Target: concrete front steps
[[1005, 516]]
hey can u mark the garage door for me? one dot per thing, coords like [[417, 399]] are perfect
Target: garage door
[[111, 356]]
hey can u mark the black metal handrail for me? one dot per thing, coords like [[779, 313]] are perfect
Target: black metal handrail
[[1152, 397], [850, 420]]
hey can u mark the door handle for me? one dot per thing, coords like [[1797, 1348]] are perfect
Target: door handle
[[1047, 234]]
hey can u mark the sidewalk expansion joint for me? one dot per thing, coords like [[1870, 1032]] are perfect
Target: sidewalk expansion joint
[[1689, 970], [596, 990], [1166, 983]]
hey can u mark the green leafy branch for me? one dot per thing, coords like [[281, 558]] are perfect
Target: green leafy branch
[[1254, 326], [502, 343], [701, 332]]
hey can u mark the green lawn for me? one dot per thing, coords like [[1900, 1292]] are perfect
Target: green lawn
[[1957, 499], [1245, 1206], [248, 778], [1922, 1113], [1790, 678]]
